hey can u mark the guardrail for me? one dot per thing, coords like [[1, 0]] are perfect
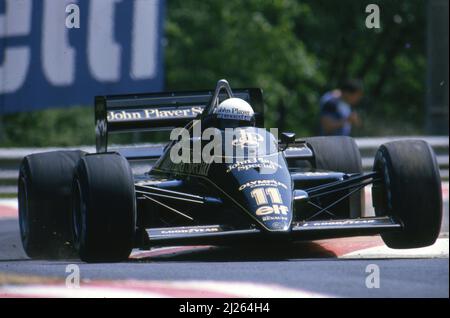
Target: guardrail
[[10, 157], [368, 147]]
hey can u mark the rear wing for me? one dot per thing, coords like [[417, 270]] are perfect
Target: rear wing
[[159, 111]]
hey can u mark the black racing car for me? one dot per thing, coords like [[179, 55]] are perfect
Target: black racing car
[[102, 205]]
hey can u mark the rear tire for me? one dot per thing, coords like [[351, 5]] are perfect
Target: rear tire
[[340, 154], [104, 208], [410, 190], [44, 195]]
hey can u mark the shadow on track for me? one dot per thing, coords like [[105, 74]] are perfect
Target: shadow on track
[[301, 250]]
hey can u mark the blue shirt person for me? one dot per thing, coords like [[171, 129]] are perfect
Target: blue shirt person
[[336, 109]]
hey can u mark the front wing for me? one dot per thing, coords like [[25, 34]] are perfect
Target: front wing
[[309, 230]]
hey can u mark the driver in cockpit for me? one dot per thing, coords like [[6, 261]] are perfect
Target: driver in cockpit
[[231, 113]]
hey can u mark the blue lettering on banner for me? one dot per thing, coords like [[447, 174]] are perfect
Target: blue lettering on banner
[[43, 63]]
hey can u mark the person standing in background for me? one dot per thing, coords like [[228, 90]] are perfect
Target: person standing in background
[[337, 115]]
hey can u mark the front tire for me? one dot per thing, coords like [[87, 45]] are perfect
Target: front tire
[[410, 190], [104, 208], [44, 195]]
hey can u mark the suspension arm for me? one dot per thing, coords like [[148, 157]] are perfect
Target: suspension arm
[[354, 181]]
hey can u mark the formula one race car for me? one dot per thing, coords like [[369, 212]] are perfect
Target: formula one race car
[[245, 187]]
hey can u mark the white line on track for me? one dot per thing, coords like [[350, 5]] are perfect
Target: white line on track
[[12, 203], [152, 289], [440, 249]]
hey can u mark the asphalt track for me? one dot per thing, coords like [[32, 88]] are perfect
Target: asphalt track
[[328, 268]]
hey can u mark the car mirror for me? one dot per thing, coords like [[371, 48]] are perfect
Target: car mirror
[[287, 138]]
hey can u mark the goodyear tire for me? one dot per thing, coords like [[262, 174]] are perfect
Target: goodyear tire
[[340, 154], [410, 190], [103, 208], [44, 190]]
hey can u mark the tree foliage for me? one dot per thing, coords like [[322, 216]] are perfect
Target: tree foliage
[[252, 44], [294, 50]]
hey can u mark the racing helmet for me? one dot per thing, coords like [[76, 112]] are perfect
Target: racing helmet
[[231, 113]]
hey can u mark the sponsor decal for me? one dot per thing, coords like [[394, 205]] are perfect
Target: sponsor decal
[[154, 113], [262, 183], [253, 163], [200, 169], [333, 223], [233, 113], [271, 207], [274, 209], [316, 174], [274, 218], [191, 230]]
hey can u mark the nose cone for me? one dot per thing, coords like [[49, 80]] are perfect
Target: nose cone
[[259, 183], [270, 202]]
